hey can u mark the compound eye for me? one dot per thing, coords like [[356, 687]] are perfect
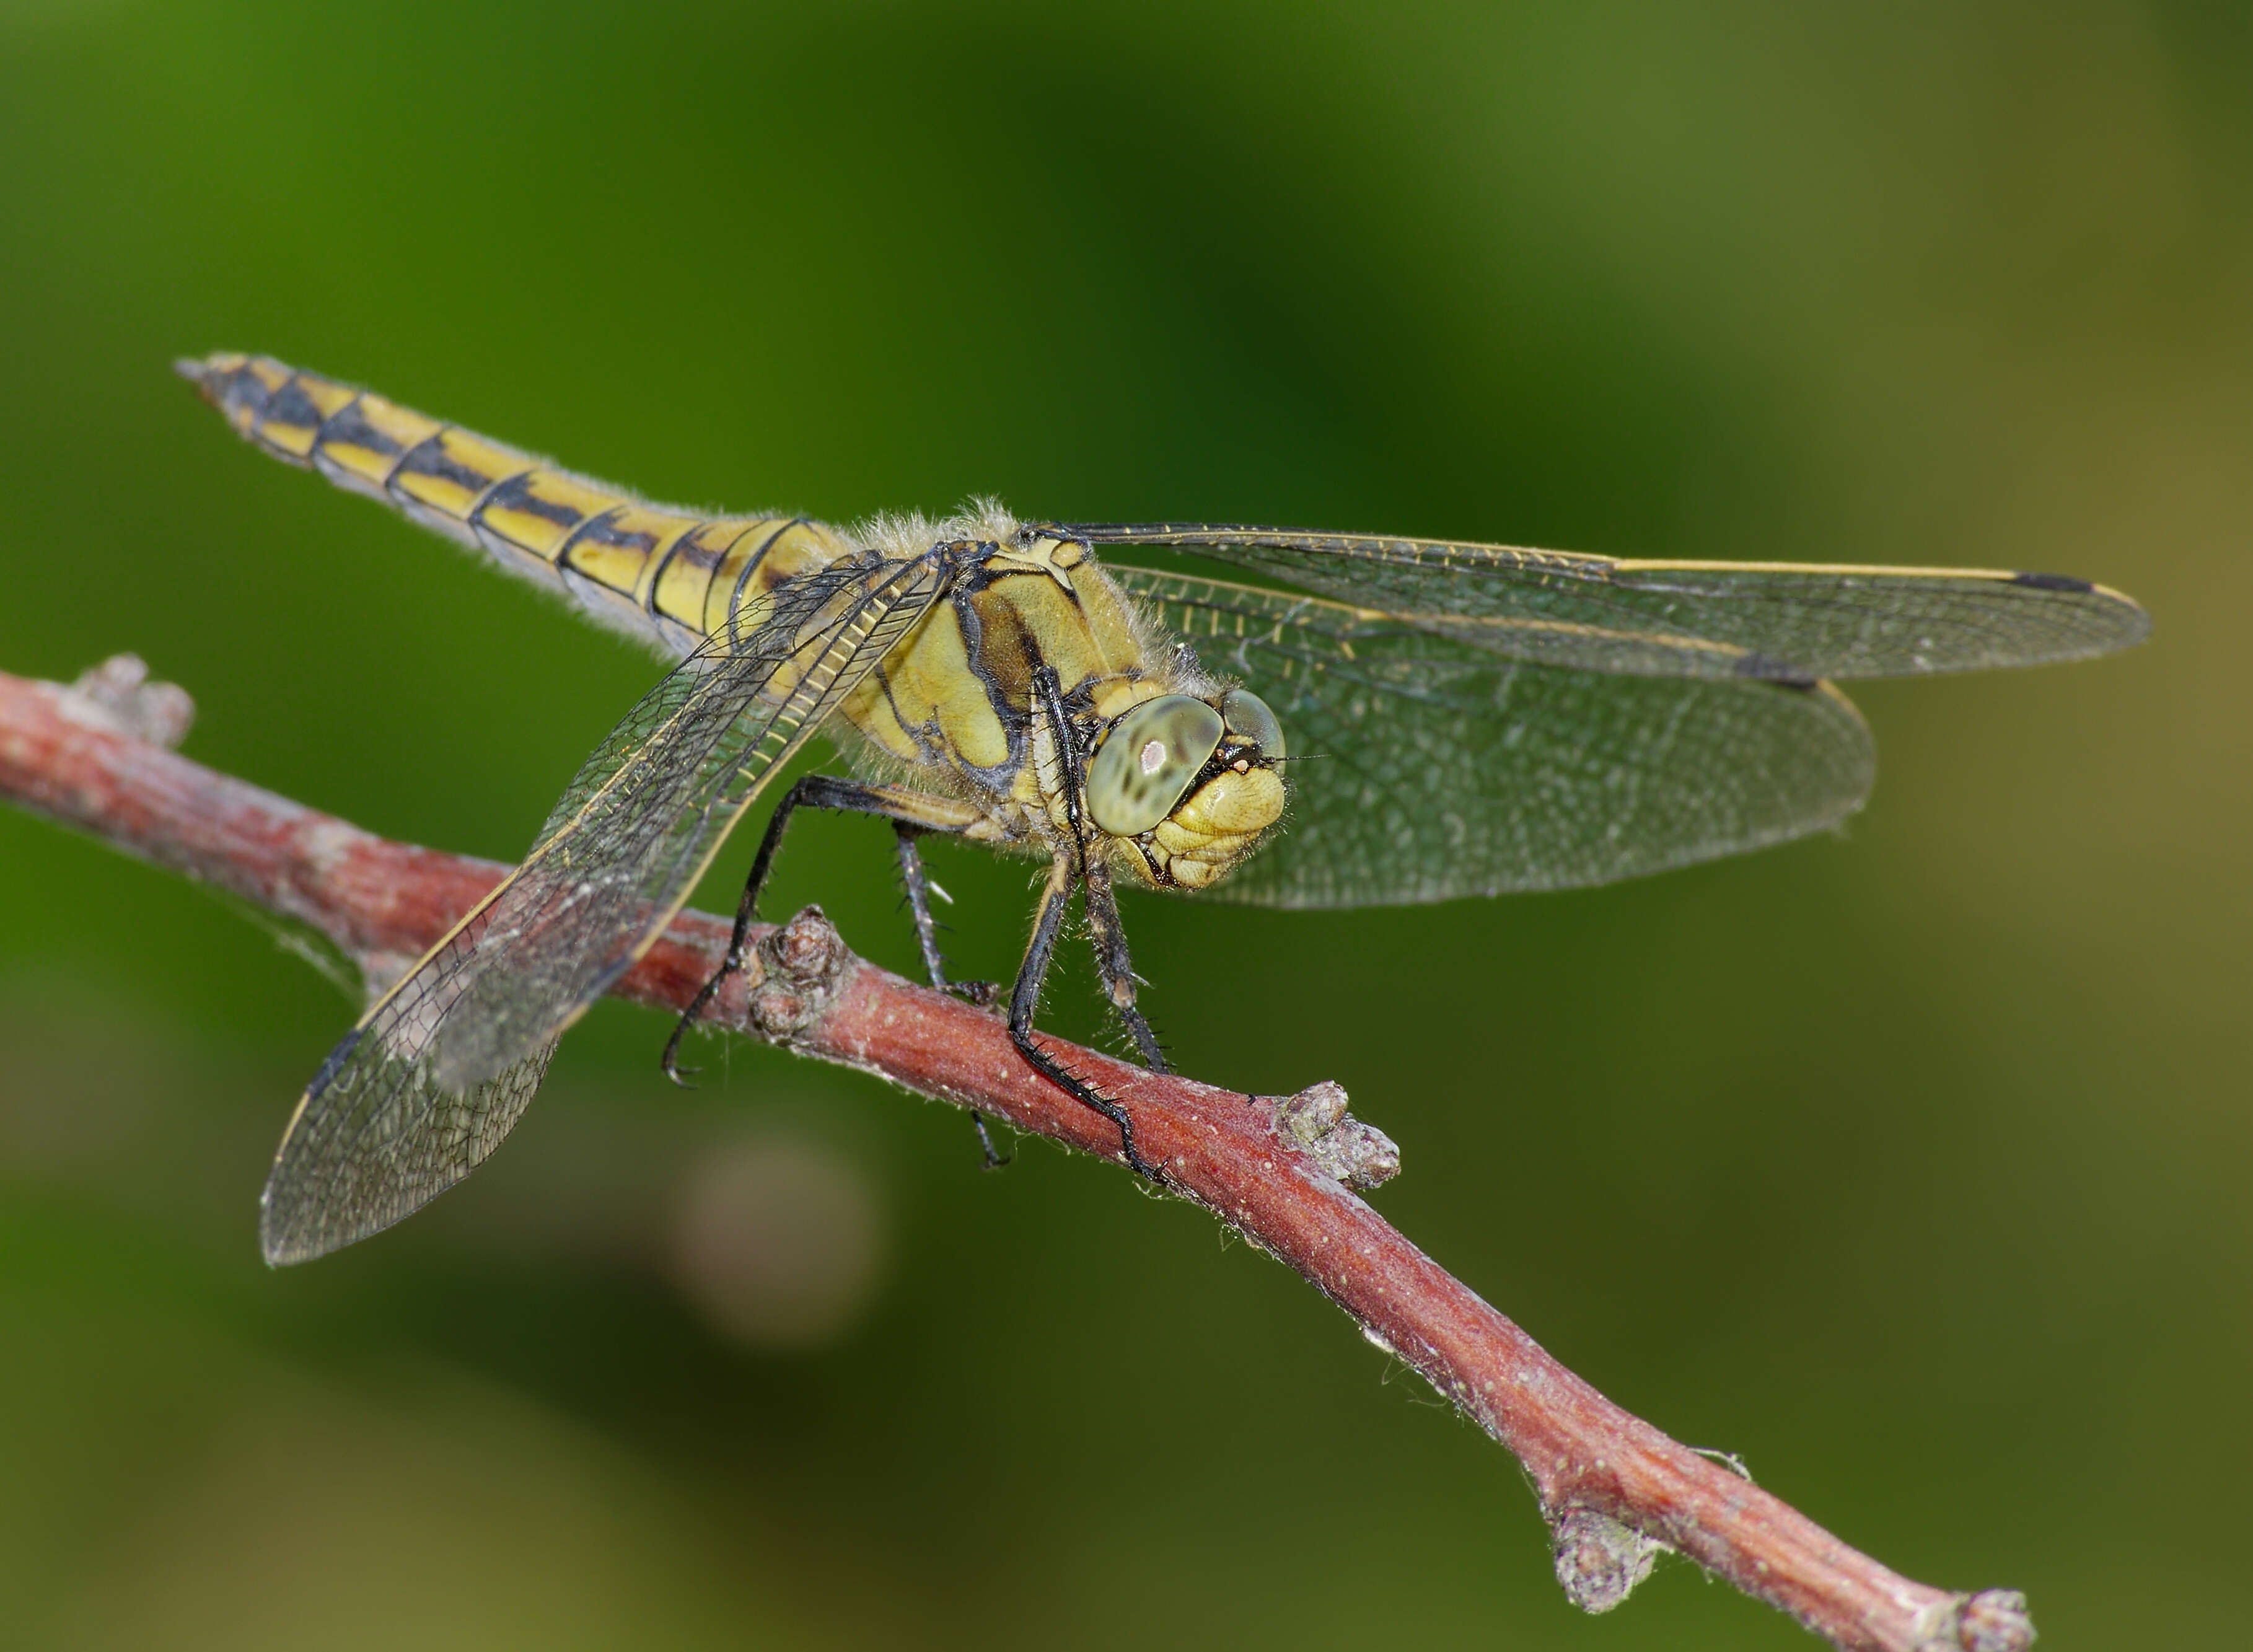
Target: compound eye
[[1147, 762], [1249, 718]]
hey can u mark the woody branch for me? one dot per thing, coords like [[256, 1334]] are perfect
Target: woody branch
[[1281, 1172]]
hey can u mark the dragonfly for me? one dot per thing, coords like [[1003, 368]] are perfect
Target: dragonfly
[[1483, 719]]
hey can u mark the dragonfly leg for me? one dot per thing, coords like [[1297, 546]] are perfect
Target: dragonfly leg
[[1025, 999], [1070, 865], [1071, 777], [918, 883], [1114, 965], [897, 804]]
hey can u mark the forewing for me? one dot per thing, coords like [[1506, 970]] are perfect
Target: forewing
[[1777, 621], [1433, 770], [439, 1070]]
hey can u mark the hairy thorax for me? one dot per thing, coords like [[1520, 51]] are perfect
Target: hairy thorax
[[953, 708]]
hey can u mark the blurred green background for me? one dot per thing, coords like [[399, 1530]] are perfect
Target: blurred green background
[[1909, 1164]]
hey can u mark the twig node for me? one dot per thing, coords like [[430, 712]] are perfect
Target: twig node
[[1599, 1560], [802, 964], [117, 695], [1358, 1154], [1993, 1621]]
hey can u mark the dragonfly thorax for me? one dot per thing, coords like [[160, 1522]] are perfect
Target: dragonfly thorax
[[1179, 769]]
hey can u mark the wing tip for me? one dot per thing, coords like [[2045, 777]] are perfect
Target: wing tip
[[280, 1238], [2138, 618], [2130, 621], [293, 1231], [296, 1225]]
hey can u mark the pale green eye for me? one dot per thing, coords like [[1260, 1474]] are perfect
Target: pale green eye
[[1249, 718], [1147, 762]]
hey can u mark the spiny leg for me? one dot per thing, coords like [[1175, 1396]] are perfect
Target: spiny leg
[[1070, 865], [1071, 764], [896, 804], [1114, 965], [1025, 1000], [918, 886]]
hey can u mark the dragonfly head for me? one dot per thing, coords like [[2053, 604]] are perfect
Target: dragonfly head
[[1191, 782]]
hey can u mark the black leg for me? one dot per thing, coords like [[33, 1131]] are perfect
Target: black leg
[[918, 885], [1071, 764], [820, 791], [1025, 1001], [1113, 962], [1073, 865]]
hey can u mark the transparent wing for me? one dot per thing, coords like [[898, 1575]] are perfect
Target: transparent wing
[[1780, 621], [1436, 770], [435, 1075]]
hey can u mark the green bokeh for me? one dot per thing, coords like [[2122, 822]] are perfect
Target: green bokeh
[[1910, 1164]]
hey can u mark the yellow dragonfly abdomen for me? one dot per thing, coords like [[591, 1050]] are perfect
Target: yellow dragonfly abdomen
[[667, 575], [954, 697]]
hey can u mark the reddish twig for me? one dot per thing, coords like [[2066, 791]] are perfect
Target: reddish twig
[[1615, 1490]]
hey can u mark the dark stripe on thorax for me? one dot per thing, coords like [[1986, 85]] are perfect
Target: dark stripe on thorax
[[1016, 722]]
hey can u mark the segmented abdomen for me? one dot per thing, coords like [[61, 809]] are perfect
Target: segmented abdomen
[[664, 574]]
